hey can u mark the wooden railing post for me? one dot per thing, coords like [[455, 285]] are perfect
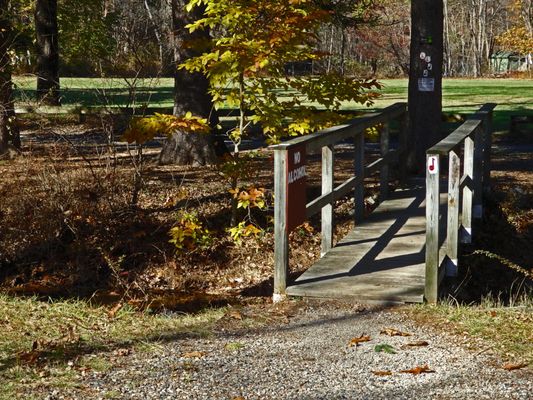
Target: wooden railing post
[[487, 149], [478, 174], [384, 173], [432, 228], [359, 169], [404, 126], [327, 187], [281, 234], [468, 191], [454, 178]]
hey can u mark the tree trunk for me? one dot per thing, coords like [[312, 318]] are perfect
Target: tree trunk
[[190, 94], [425, 80], [47, 51], [9, 134]]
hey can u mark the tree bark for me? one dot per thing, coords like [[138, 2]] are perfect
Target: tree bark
[[190, 94], [425, 80], [46, 32], [9, 134]]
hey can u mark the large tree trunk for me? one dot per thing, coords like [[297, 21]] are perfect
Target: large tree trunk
[[425, 80], [47, 51], [9, 134], [190, 94]]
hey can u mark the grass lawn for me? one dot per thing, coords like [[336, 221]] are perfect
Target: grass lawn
[[460, 95]]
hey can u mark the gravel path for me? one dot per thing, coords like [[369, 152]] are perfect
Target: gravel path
[[309, 357]]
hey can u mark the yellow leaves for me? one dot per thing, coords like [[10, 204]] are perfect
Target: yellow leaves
[[188, 234], [243, 230], [144, 129], [517, 39], [251, 198]]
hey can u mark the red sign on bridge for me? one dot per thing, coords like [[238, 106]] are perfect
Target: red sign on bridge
[[296, 187]]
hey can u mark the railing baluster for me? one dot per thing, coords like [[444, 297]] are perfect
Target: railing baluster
[[454, 178], [487, 148], [327, 187], [478, 173], [468, 191], [359, 168], [384, 173]]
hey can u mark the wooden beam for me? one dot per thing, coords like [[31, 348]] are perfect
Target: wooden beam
[[384, 173], [468, 191], [328, 157], [281, 234], [359, 171], [432, 229], [452, 228]]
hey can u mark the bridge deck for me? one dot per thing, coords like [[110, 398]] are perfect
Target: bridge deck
[[380, 260]]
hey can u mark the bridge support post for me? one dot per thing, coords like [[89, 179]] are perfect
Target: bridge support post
[[432, 227], [468, 192], [281, 233], [359, 170], [478, 174], [454, 177], [487, 148], [384, 173], [327, 211]]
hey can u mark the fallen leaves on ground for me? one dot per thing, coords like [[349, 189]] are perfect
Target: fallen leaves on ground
[[382, 373], [393, 332], [419, 343], [514, 366], [424, 369], [194, 354], [356, 341]]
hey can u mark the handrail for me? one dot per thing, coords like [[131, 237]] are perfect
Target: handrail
[[470, 145], [290, 181]]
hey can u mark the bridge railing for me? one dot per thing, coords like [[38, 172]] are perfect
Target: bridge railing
[[467, 150], [291, 205]]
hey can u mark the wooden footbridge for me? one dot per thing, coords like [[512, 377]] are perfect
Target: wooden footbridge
[[403, 249]]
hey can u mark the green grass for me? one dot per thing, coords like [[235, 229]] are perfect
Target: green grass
[[47, 344], [505, 331], [461, 96]]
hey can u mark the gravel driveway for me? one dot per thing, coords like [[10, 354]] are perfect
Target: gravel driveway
[[308, 356]]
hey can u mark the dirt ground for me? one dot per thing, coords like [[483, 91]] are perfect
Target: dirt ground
[[70, 228]]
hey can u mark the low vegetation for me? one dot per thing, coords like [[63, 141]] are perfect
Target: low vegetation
[[49, 344], [490, 327]]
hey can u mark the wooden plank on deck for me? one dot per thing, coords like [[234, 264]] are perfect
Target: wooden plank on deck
[[381, 260]]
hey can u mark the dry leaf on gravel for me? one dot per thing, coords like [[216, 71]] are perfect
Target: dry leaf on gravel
[[419, 343], [358, 340], [382, 373], [194, 354], [514, 366], [394, 332], [424, 369]]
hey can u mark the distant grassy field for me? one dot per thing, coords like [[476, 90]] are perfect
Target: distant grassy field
[[459, 95]]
